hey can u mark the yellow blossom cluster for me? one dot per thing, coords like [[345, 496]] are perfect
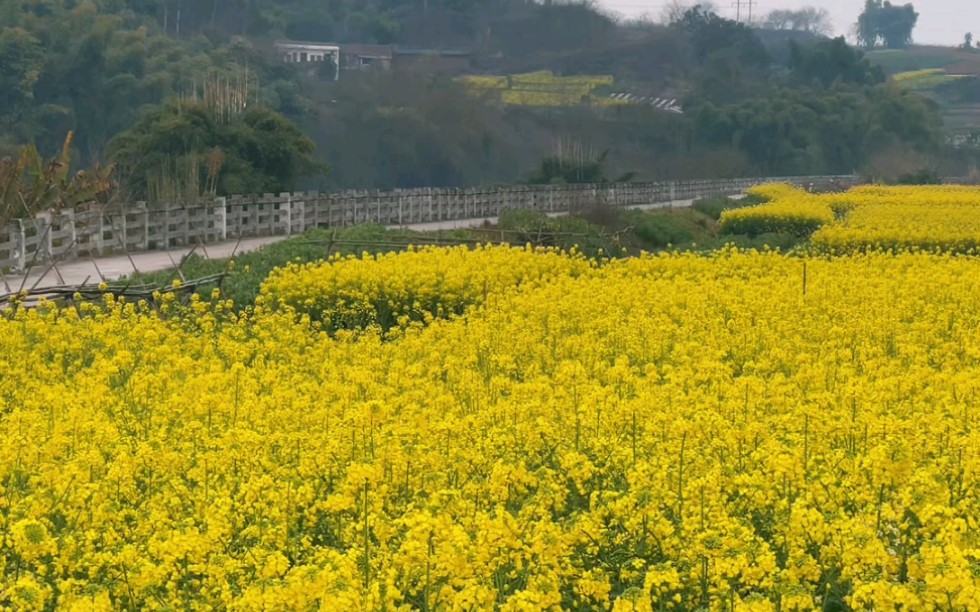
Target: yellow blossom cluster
[[787, 209], [943, 218], [395, 289], [738, 431]]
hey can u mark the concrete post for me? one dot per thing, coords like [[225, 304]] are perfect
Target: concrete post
[[221, 217], [45, 244], [146, 227], [68, 221], [100, 239], [122, 230], [301, 209], [18, 242], [166, 228]]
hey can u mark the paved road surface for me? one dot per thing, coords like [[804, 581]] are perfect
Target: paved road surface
[[114, 267], [111, 268], [464, 223]]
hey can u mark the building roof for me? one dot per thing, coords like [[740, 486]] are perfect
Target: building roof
[[368, 50], [434, 52], [306, 43]]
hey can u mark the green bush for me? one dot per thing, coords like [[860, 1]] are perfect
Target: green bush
[[925, 176], [659, 229], [565, 231], [758, 225], [713, 207]]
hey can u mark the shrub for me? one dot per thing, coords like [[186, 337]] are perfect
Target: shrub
[[925, 176], [713, 207], [661, 230]]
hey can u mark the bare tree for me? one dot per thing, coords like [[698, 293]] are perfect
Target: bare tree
[[779, 19], [674, 10], [807, 19]]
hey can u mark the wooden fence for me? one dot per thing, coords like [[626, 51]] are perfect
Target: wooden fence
[[94, 231]]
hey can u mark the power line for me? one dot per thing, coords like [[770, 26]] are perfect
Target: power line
[[738, 4]]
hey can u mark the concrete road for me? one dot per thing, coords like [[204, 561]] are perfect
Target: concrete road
[[114, 267], [467, 223], [111, 268]]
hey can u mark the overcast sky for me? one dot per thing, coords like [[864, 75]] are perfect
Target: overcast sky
[[940, 21]]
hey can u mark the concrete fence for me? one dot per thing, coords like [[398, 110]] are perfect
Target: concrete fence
[[94, 231]]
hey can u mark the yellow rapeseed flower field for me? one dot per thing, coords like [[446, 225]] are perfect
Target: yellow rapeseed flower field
[[912, 75], [542, 88], [940, 218], [735, 431], [391, 290]]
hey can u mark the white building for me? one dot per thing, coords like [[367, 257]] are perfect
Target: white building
[[299, 52]]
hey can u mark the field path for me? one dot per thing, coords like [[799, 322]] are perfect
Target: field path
[[92, 271], [464, 223]]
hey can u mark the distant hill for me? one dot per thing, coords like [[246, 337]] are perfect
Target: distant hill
[[953, 60], [99, 67], [949, 76]]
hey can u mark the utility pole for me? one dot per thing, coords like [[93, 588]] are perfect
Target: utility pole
[[738, 4]]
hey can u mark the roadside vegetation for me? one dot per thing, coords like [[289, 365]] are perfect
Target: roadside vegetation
[[598, 231]]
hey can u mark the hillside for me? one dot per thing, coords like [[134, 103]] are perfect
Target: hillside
[[704, 97], [947, 75], [952, 60]]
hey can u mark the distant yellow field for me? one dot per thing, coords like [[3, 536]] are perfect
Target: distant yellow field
[[924, 79], [540, 88], [917, 74]]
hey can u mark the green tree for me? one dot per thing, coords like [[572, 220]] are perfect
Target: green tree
[[20, 67], [831, 61], [575, 165], [728, 59], [903, 119], [886, 24], [711, 35], [794, 130], [188, 149], [90, 67]]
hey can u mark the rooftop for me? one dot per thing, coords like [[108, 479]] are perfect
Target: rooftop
[[369, 50], [306, 43]]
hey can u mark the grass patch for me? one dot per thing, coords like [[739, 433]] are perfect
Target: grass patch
[[924, 80], [662, 228], [895, 61], [566, 231], [713, 207]]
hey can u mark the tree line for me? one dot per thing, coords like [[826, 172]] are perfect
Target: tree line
[[205, 111]]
